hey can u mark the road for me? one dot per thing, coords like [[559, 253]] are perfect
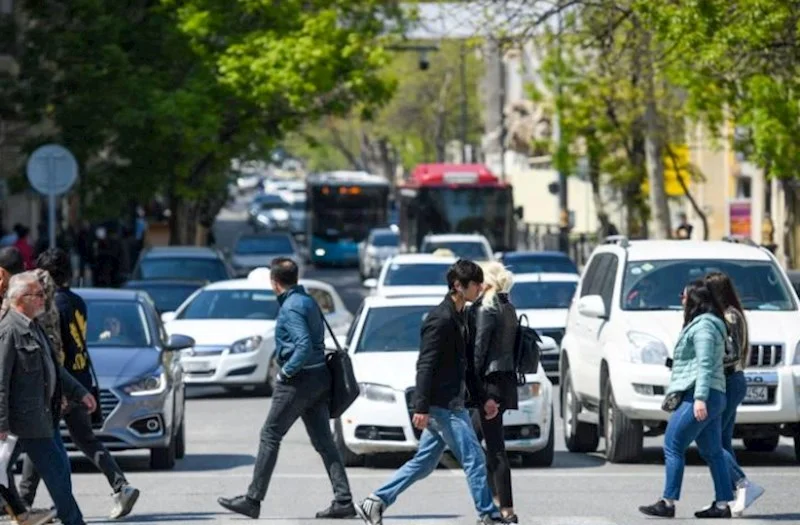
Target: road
[[577, 490]]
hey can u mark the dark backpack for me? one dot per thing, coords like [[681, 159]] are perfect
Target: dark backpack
[[526, 350]]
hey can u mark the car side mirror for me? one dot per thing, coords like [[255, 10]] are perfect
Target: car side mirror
[[592, 306], [548, 344], [178, 342], [167, 317], [498, 255], [371, 283], [519, 211]]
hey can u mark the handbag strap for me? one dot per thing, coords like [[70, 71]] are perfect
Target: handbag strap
[[328, 326]]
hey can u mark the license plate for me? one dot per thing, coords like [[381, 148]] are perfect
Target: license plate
[[756, 395], [196, 366]]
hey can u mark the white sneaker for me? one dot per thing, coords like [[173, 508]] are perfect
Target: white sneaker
[[36, 517], [124, 500], [746, 494]]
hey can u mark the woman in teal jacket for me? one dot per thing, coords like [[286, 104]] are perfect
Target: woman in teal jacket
[[698, 380]]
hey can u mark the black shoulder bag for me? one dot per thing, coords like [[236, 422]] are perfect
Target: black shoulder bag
[[527, 351], [344, 386]]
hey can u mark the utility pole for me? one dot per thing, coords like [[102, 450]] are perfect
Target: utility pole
[[464, 100], [503, 131], [563, 196]]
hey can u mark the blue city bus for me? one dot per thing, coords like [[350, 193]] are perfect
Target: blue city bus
[[343, 206]]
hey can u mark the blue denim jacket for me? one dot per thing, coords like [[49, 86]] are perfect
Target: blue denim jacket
[[299, 332]]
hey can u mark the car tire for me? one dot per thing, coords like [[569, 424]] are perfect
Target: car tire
[[544, 457], [163, 458], [624, 436], [579, 436], [797, 446], [348, 457], [768, 444], [180, 440]]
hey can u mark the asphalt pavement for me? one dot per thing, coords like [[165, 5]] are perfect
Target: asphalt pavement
[[222, 439]]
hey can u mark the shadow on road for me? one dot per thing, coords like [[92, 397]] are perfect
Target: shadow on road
[[178, 517], [792, 516], [783, 457], [190, 463]]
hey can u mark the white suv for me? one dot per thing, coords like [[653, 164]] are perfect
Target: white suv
[[623, 324]]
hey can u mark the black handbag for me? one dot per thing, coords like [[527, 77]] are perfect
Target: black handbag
[[672, 402], [527, 352], [344, 386]]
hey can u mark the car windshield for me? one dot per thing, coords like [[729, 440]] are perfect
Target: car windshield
[[542, 295], [264, 245], [116, 324], [383, 240], [202, 269], [168, 298], [465, 250], [232, 304], [392, 329], [416, 275], [534, 264], [657, 285]]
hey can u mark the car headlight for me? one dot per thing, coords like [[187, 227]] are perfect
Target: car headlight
[[248, 344], [529, 391], [156, 383], [796, 360], [646, 349], [381, 393]]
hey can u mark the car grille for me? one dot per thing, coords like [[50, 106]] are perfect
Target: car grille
[[205, 350], [766, 355], [556, 333], [107, 403], [410, 405]]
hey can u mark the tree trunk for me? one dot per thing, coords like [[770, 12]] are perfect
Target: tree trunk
[[441, 118], [696, 207], [654, 150]]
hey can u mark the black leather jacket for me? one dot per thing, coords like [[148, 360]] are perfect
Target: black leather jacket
[[495, 335]]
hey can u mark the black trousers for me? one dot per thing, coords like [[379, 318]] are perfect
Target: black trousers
[[304, 396], [79, 424], [497, 464]]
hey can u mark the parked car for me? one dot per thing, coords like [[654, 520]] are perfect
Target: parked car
[[408, 274], [471, 246], [233, 324], [167, 294], [376, 249], [182, 262], [139, 373], [383, 342], [623, 325], [257, 250]]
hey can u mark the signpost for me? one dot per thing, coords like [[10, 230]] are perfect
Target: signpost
[[52, 170]]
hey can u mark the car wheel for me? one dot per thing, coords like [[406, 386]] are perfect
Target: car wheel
[[163, 458], [350, 459], [579, 436], [544, 457], [762, 444], [624, 436], [797, 446], [180, 440]]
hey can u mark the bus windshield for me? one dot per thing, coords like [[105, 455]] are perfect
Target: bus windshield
[[347, 215]]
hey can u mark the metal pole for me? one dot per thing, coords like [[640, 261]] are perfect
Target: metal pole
[[563, 196], [464, 108], [502, 112], [51, 219]]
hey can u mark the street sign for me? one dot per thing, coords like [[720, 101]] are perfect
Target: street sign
[[52, 170]]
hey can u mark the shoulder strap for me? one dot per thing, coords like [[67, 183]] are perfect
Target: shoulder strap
[[328, 326]]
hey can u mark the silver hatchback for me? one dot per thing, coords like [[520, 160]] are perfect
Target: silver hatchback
[[139, 374]]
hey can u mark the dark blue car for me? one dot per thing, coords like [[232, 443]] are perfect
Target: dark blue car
[[538, 262]]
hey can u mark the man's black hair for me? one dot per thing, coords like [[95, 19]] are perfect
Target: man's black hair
[[57, 263], [11, 260], [465, 272], [284, 271]]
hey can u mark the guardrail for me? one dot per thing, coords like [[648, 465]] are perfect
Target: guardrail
[[547, 237]]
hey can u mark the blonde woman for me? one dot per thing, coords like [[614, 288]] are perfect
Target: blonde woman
[[493, 321]]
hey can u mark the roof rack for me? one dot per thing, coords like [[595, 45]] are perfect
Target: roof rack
[[740, 240], [621, 240]]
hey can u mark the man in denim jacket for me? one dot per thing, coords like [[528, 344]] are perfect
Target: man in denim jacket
[[303, 391]]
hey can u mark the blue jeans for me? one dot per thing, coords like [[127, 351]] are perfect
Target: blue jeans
[[451, 428], [682, 429], [735, 392], [51, 461]]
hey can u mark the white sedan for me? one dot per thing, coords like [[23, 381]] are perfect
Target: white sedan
[[233, 325], [412, 274], [383, 343]]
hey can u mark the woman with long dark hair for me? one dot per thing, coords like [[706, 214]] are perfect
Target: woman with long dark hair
[[696, 393], [494, 328], [737, 356]]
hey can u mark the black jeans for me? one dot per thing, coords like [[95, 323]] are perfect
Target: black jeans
[[497, 465], [303, 396], [50, 458], [79, 424]]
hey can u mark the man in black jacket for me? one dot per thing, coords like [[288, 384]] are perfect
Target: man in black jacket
[[440, 403]]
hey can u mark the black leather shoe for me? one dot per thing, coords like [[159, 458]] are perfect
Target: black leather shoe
[[338, 511], [714, 512], [659, 509], [242, 505]]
